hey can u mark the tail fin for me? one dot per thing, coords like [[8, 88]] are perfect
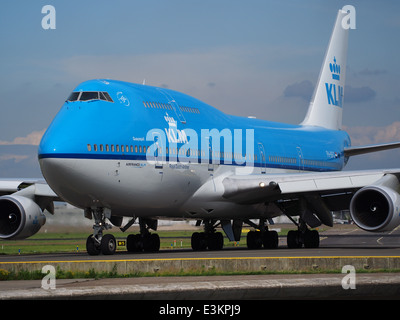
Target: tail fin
[[326, 105]]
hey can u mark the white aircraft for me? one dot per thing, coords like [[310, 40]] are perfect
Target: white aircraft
[[117, 149]]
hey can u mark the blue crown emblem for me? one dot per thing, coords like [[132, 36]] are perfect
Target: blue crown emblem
[[335, 69]]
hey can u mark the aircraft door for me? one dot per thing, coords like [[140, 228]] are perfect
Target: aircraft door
[[300, 158], [174, 105], [263, 160], [210, 155], [159, 152]]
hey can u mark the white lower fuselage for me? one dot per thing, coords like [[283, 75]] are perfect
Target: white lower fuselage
[[141, 189]]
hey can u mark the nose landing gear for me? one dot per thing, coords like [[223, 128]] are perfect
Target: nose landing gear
[[97, 243]]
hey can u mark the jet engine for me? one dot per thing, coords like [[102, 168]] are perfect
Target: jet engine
[[376, 207], [20, 217]]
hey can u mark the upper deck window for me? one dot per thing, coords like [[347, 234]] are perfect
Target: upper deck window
[[89, 96]]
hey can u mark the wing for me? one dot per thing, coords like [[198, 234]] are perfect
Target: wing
[[354, 151], [22, 203], [320, 193], [34, 189]]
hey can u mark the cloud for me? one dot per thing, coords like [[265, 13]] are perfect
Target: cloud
[[370, 135], [302, 89], [368, 72], [305, 89], [361, 94], [15, 157], [32, 138], [374, 135]]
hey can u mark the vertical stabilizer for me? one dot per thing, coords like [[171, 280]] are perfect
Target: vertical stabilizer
[[326, 105]]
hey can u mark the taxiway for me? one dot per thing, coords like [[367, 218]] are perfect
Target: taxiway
[[340, 241]]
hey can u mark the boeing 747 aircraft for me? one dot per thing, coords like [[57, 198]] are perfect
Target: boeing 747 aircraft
[[118, 149]]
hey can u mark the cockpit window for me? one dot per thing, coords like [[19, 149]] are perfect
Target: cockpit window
[[89, 95], [86, 96], [74, 96]]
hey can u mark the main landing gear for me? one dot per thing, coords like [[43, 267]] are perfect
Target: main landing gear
[[302, 236], [145, 241], [209, 239], [262, 237]]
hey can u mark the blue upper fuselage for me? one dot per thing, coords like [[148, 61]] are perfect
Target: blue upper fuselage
[[107, 119]]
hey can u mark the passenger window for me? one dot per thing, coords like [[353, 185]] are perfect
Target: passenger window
[[89, 147]]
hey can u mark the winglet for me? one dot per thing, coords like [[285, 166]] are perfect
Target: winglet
[[326, 105]]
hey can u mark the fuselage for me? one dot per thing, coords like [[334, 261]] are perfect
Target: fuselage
[[140, 150]]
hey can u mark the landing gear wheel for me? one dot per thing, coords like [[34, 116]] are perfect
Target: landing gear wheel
[[215, 241], [293, 239], [199, 241], [91, 246], [108, 244], [254, 240], [270, 240], [133, 243], [311, 239], [151, 243]]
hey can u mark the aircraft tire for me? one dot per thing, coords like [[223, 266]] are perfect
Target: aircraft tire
[[215, 241], [151, 243], [91, 247], [311, 239], [199, 241], [293, 240], [270, 240], [254, 240], [133, 243], [108, 244]]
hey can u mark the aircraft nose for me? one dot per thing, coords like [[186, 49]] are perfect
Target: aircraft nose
[[50, 143], [55, 159]]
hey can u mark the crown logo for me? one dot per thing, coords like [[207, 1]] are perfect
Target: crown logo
[[171, 121], [335, 69]]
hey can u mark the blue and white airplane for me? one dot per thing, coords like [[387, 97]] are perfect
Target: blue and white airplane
[[118, 149]]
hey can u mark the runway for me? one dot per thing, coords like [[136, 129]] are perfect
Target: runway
[[339, 246], [340, 241]]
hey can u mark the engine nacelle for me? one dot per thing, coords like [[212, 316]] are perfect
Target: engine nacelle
[[20, 217], [376, 207]]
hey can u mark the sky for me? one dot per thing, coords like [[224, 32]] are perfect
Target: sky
[[249, 58]]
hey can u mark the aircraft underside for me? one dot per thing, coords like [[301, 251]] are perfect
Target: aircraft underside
[[200, 200]]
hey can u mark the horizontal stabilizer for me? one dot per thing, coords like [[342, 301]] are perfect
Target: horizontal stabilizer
[[354, 151]]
